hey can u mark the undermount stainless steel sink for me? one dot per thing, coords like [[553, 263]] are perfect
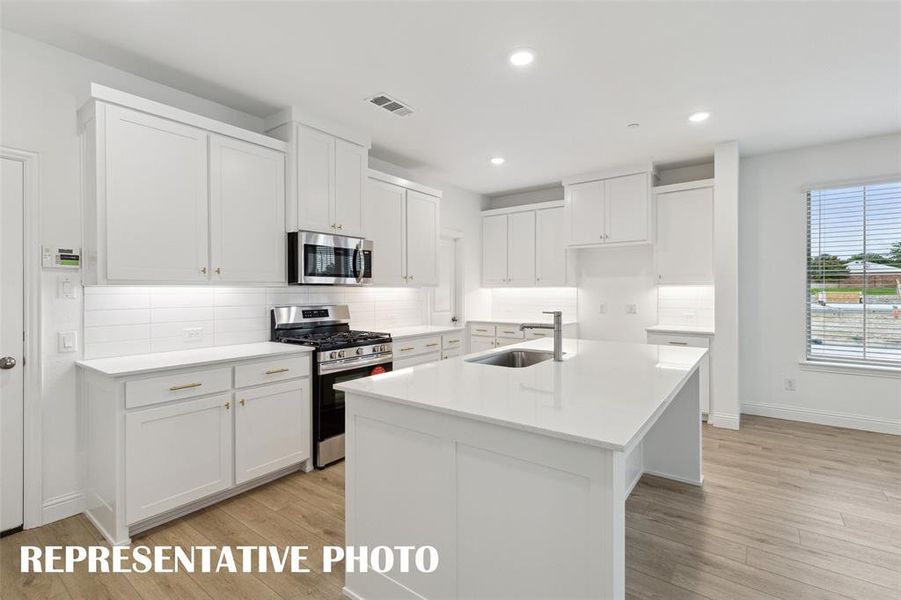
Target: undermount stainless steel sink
[[513, 359]]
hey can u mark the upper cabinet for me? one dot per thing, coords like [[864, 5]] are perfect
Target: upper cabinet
[[684, 250], [524, 246], [327, 180], [176, 198], [610, 208], [402, 220]]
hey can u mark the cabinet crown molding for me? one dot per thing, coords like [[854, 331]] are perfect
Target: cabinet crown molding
[[102, 93], [293, 114], [404, 183], [522, 208], [685, 185], [610, 173]]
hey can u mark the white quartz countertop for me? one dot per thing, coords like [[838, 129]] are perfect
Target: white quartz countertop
[[158, 361], [689, 329], [543, 319], [604, 393], [400, 333]]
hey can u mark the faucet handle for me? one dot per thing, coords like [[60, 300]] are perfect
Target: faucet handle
[[552, 312]]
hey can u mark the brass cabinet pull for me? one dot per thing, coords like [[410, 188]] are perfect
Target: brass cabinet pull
[[242, 401], [218, 271], [677, 343], [274, 371], [228, 405], [406, 349], [453, 341], [430, 345], [340, 226], [481, 330], [203, 270], [185, 386]]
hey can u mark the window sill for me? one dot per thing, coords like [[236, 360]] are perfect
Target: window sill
[[850, 369]]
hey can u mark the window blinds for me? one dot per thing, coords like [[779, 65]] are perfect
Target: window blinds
[[854, 274]]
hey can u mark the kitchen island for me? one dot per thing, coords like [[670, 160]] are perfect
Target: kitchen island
[[518, 476]]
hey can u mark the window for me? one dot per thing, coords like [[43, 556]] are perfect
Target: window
[[854, 274]]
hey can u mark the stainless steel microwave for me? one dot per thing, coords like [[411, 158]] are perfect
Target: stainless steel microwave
[[324, 259]]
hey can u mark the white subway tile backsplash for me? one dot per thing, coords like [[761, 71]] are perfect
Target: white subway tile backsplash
[[685, 305], [529, 304], [133, 320]]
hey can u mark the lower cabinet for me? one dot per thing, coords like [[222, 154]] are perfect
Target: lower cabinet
[[487, 336], [272, 428], [694, 340], [412, 351], [161, 445], [175, 454]]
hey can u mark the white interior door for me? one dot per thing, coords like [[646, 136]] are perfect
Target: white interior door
[[12, 202], [444, 297]]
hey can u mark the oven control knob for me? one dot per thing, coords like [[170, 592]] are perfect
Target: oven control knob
[[332, 354], [359, 351], [341, 354]]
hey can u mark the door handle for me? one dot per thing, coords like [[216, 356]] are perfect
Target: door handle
[[7, 362]]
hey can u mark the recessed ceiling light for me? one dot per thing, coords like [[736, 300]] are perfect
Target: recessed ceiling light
[[699, 117], [497, 160], [522, 57]]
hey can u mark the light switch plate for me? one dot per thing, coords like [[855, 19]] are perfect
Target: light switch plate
[[632, 309], [68, 341], [66, 288]]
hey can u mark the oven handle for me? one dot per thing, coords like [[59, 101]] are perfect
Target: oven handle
[[350, 364]]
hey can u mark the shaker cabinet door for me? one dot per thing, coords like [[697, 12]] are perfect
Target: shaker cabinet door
[[422, 239], [585, 212], [521, 248], [154, 187], [247, 202], [494, 250], [315, 180], [385, 226], [550, 247], [627, 209], [350, 187]]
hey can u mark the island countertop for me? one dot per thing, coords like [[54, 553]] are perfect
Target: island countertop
[[603, 394]]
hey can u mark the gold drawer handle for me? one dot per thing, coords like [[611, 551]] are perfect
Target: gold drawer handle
[[242, 401], [274, 371], [175, 388], [453, 341], [407, 349], [481, 330], [508, 331], [677, 343], [430, 345], [228, 405]]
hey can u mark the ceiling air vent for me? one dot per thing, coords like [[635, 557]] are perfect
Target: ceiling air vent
[[392, 105]]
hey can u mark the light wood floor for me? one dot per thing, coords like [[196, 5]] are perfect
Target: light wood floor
[[788, 510]]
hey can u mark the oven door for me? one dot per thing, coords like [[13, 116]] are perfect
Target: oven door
[[319, 258], [328, 409]]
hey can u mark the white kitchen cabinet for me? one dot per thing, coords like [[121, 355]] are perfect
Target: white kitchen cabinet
[[488, 335], [176, 454], [628, 207], [314, 162], [189, 432], [386, 227], [610, 208], [151, 194], [521, 248], [550, 247], [684, 250], [478, 343], [272, 428], [422, 239], [586, 212], [494, 250], [247, 212], [351, 166], [402, 220], [327, 181], [524, 246], [176, 198]]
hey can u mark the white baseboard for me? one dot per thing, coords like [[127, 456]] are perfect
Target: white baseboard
[[724, 421], [62, 507], [823, 417]]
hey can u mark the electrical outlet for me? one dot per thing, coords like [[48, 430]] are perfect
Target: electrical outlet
[[791, 384], [632, 309], [67, 341], [603, 308], [192, 334]]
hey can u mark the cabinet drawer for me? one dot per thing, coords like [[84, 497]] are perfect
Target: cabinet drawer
[[452, 340], [451, 353], [416, 346], [266, 371], [666, 339], [176, 386], [482, 329], [509, 331], [537, 334], [412, 361]]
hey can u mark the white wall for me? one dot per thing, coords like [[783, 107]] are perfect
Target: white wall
[[772, 290], [42, 88], [545, 194]]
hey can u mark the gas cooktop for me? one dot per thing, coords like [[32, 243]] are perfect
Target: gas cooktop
[[331, 340]]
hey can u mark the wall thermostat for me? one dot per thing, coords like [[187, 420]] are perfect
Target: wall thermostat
[[53, 257]]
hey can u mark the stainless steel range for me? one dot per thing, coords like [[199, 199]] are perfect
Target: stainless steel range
[[341, 355]]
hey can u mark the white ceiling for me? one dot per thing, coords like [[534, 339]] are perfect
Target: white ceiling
[[774, 75]]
